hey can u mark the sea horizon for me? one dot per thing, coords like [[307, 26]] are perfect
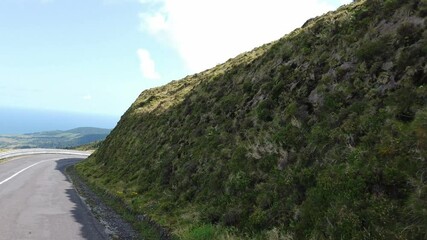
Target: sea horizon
[[22, 121]]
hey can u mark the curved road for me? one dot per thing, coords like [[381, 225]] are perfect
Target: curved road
[[38, 202]]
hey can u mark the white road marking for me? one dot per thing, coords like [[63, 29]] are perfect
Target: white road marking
[[14, 175]]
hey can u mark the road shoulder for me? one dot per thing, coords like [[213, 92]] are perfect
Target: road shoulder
[[115, 226]]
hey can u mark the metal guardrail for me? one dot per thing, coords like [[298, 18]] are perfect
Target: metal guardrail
[[23, 152]]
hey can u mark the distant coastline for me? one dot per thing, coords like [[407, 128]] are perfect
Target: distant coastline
[[22, 121]]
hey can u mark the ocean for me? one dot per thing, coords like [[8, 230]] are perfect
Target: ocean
[[21, 121]]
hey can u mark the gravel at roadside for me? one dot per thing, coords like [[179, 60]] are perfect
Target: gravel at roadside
[[115, 226]]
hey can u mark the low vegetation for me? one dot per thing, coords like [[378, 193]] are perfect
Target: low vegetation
[[92, 146], [319, 135]]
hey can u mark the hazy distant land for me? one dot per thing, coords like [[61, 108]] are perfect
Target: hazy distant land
[[21, 121], [54, 139]]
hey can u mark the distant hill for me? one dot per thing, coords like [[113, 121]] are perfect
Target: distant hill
[[319, 135], [54, 139], [20, 121]]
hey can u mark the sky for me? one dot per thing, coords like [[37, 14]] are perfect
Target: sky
[[97, 56]]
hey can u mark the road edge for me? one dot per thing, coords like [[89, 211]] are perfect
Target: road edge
[[115, 226], [122, 222]]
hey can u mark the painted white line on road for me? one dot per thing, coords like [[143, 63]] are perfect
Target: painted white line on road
[[14, 175]]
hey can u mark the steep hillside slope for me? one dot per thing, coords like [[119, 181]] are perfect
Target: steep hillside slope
[[321, 134]]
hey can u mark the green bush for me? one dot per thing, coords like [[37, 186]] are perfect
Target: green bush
[[409, 33], [376, 49], [265, 110], [204, 232]]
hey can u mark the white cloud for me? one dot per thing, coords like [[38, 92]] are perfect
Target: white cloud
[[147, 65], [153, 23], [149, 1], [209, 32], [87, 97]]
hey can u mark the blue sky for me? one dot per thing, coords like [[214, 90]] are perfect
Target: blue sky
[[96, 56]]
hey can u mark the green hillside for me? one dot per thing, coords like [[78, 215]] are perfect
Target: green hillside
[[319, 135], [54, 139]]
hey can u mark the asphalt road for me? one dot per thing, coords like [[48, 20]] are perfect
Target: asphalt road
[[38, 202]]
